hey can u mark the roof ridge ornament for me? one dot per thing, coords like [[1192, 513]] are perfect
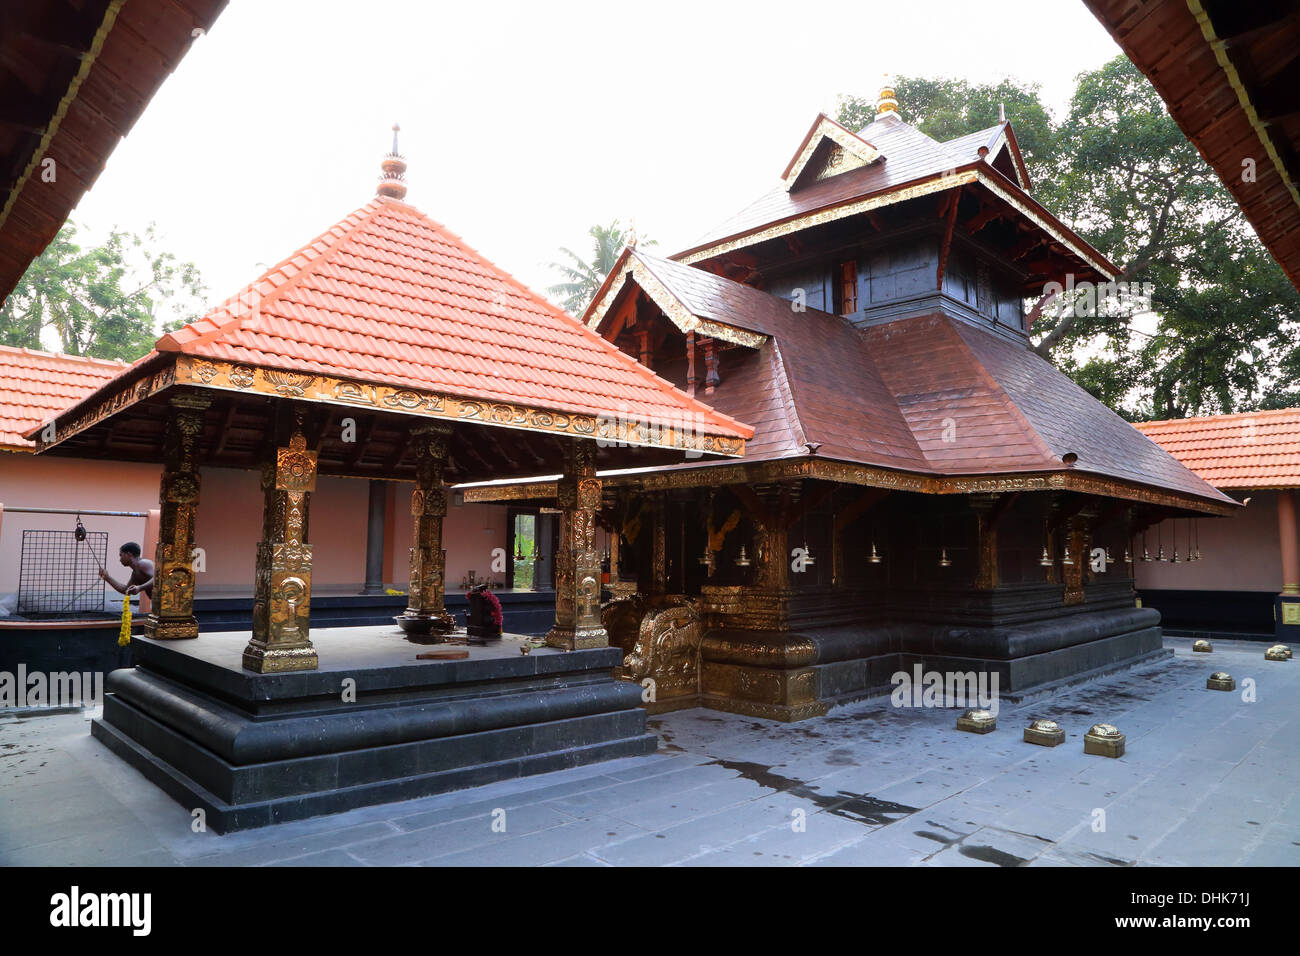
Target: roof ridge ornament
[[886, 101], [392, 179]]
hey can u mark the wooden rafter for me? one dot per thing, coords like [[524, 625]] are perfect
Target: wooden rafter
[[946, 244]]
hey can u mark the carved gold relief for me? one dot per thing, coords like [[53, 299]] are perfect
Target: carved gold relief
[[426, 611], [347, 391], [281, 638], [178, 499], [667, 651]]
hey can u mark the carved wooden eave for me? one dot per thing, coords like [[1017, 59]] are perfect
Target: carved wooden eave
[[825, 129], [631, 267], [786, 469], [617, 427], [1005, 138], [977, 172]]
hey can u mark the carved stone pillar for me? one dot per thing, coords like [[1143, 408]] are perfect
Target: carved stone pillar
[[1077, 540], [426, 611], [173, 588], [577, 565], [986, 554], [282, 588]]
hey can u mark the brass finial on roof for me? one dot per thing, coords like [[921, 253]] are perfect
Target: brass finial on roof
[[392, 181], [886, 103]]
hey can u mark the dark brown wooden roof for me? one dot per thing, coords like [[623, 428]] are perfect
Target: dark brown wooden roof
[[75, 75], [911, 163], [1230, 76], [929, 395]]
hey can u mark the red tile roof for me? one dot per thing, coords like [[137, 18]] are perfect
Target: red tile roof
[[390, 296], [35, 386], [930, 395], [1247, 450]]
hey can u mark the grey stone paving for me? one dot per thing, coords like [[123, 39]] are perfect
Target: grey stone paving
[[1208, 779]]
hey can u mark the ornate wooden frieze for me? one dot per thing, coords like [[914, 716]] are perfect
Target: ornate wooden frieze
[[426, 611], [527, 491], [577, 562], [760, 472], [282, 585], [118, 399], [614, 425], [178, 498]]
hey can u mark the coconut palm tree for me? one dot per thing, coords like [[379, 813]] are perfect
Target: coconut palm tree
[[582, 278]]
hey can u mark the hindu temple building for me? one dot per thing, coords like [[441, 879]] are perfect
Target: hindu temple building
[[385, 348], [921, 488]]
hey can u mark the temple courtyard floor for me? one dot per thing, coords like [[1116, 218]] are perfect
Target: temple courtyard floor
[[1209, 778]]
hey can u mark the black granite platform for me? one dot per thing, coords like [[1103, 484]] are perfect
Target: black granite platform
[[252, 749], [523, 612]]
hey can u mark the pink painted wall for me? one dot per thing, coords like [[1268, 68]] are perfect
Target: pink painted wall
[[469, 532], [230, 522], [230, 525], [1238, 553], [28, 481]]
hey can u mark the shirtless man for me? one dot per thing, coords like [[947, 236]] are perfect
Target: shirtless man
[[141, 571]]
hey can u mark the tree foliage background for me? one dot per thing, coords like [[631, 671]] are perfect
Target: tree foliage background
[[110, 300], [582, 278], [1222, 335]]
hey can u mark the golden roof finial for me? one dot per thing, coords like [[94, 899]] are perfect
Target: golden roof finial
[[885, 102], [392, 181]]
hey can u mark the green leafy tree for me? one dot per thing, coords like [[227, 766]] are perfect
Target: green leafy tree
[[583, 278], [105, 301]]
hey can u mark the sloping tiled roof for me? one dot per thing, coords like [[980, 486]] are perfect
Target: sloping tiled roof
[[930, 395], [909, 160], [1247, 450], [797, 379], [392, 297], [79, 75], [35, 386], [909, 155]]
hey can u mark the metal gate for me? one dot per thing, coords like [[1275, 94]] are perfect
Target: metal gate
[[59, 575]]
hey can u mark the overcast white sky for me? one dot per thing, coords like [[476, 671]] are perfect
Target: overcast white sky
[[526, 123]]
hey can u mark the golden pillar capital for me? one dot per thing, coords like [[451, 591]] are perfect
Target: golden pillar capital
[[282, 587], [577, 563], [178, 499], [426, 612]]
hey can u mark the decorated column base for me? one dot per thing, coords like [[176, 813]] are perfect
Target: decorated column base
[[577, 637], [262, 659], [170, 629]]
